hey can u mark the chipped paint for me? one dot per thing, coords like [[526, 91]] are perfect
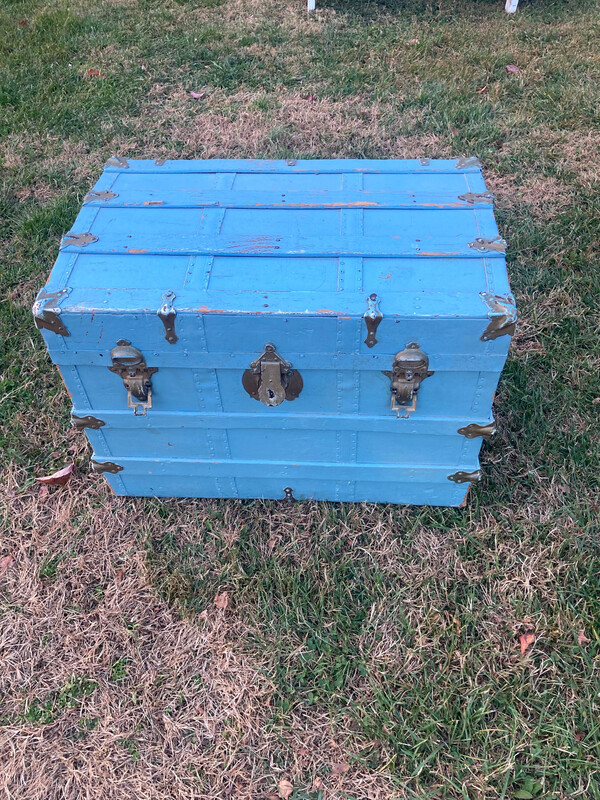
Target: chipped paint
[[356, 204], [425, 253], [153, 202]]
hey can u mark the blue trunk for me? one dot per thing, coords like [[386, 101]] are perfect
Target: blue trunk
[[319, 329]]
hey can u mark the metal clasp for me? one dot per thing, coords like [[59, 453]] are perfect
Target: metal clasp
[[271, 379], [130, 365], [410, 368], [373, 317], [166, 313]]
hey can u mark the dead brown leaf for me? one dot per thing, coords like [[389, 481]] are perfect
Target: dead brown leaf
[[340, 769], [317, 784], [526, 640], [582, 638], [512, 69], [5, 563], [57, 478], [222, 600], [285, 789]]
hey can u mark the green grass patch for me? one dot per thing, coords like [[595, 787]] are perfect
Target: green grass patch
[[47, 709]]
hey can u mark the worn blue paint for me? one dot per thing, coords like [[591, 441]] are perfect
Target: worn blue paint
[[265, 251]]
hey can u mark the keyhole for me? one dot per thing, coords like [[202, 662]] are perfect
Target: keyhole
[[271, 393]]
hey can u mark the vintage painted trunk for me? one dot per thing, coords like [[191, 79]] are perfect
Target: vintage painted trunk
[[300, 329]]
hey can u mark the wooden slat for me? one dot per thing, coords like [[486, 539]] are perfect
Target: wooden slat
[[294, 200], [148, 243], [331, 166]]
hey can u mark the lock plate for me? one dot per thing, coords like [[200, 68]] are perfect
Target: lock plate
[[410, 368], [129, 363], [271, 379]]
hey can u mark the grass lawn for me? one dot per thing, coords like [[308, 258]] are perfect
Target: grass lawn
[[360, 652]]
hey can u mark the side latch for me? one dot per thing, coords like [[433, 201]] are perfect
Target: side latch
[[503, 317], [105, 466], [46, 311], [373, 317], [474, 430], [271, 379], [130, 365], [88, 421], [465, 477], [410, 368], [166, 313]]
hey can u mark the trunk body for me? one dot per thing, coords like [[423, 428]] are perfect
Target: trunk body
[[338, 266]]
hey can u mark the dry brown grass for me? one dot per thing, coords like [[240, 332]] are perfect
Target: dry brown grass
[[191, 703], [264, 123], [188, 719], [543, 197]]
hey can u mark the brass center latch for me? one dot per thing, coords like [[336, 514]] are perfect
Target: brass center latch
[[130, 365], [410, 368], [271, 378]]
